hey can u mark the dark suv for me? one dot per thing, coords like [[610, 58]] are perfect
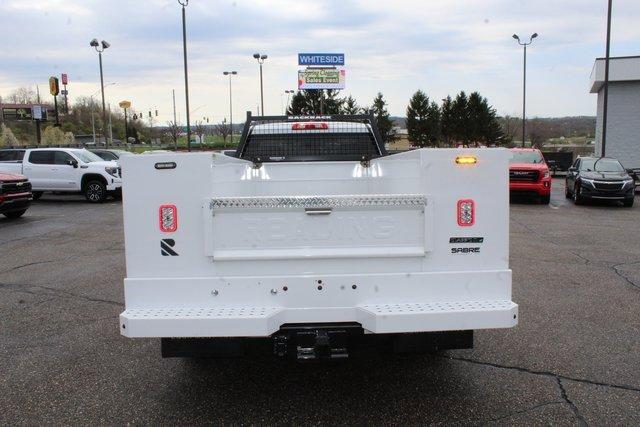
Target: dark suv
[[599, 179]]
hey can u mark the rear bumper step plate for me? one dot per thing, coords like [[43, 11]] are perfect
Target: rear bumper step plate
[[265, 321]]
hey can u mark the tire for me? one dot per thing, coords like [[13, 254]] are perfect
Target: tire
[[544, 200], [95, 191], [36, 195], [567, 193], [15, 214], [628, 203], [577, 198]]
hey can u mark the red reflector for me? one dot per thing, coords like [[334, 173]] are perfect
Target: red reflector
[[168, 217], [309, 126], [466, 212]]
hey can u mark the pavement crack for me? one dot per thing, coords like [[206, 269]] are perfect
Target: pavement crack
[[58, 292], [544, 373], [29, 264], [565, 397], [623, 276]]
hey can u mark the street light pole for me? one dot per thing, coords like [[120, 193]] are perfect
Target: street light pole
[[184, 3], [524, 82], [230, 73], [260, 58], [605, 101], [100, 47]]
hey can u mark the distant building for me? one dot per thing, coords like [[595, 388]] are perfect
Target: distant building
[[623, 112]]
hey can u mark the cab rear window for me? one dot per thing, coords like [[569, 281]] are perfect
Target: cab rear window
[[11, 155]]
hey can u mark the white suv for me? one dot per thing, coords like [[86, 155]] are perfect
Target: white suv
[[66, 170]]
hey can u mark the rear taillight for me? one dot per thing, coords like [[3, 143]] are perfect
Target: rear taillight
[[310, 126], [168, 217], [466, 212]]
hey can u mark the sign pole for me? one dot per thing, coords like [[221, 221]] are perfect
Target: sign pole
[[38, 134], [55, 105]]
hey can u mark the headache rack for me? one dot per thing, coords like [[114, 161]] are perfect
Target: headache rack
[[310, 138]]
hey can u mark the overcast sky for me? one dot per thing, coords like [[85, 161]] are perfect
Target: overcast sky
[[395, 47]]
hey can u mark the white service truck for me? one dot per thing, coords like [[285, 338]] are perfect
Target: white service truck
[[310, 241], [64, 170]]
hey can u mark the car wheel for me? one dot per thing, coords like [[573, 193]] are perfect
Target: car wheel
[[567, 193], [95, 191], [15, 214], [628, 203], [577, 197], [545, 199], [36, 195]]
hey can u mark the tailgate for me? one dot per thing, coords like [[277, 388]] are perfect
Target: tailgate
[[322, 226]]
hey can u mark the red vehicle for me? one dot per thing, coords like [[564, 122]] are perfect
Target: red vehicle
[[529, 174], [15, 195]]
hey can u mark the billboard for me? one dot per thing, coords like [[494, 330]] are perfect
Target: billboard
[[21, 113], [321, 59], [321, 78]]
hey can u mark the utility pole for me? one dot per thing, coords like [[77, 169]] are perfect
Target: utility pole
[[605, 103], [184, 3]]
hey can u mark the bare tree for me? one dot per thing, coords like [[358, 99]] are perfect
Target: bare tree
[[200, 129], [173, 131], [509, 127], [538, 133], [223, 130], [23, 95]]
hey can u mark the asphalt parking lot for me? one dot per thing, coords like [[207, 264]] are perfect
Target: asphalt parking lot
[[573, 359]]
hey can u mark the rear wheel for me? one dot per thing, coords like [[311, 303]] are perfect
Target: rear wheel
[[95, 191], [567, 193], [36, 195], [15, 214]]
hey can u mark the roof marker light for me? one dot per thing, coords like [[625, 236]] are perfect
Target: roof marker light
[[466, 212], [466, 160], [168, 218]]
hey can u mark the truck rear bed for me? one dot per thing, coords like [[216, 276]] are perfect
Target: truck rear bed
[[259, 246]]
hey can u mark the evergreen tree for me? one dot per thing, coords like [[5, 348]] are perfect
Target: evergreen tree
[[423, 120], [350, 106], [446, 120], [476, 113], [298, 106], [313, 102], [385, 124], [460, 115]]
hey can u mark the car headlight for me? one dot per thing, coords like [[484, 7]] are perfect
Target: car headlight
[[546, 174], [111, 171], [628, 181], [586, 181]]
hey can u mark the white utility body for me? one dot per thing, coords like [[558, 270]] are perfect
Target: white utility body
[[247, 246]]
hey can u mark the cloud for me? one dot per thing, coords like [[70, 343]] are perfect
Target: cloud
[[393, 47]]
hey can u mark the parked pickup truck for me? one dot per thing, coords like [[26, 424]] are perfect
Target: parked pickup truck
[[529, 174], [311, 242], [65, 170], [15, 195]]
